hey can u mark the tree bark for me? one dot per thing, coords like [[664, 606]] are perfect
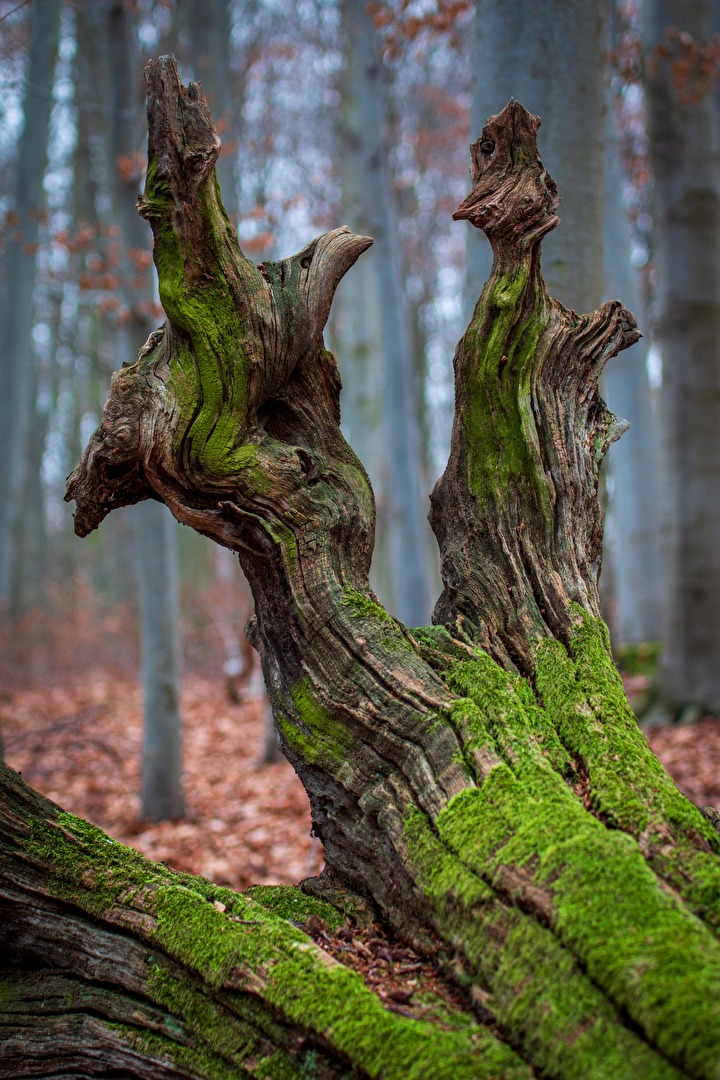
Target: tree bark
[[407, 539], [632, 543], [684, 145], [20, 272], [483, 781], [155, 538], [511, 45]]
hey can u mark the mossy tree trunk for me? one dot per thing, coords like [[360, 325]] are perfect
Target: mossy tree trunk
[[481, 782]]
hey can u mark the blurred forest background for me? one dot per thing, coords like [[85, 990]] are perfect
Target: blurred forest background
[[338, 112]]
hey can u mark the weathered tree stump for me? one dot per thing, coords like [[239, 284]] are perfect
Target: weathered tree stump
[[482, 782]]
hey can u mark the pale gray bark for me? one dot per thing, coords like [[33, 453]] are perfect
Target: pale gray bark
[[684, 150], [550, 56], [409, 536], [356, 333], [27, 586], [162, 793], [20, 261], [156, 549], [211, 28], [631, 534]]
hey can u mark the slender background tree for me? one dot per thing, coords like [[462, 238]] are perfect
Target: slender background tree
[[683, 133], [18, 309]]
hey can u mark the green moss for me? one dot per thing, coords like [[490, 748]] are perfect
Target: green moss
[[362, 607], [395, 637], [157, 192], [286, 540], [541, 998], [288, 902], [549, 1004], [442, 1011], [638, 944], [189, 1059], [444, 880], [438, 637], [209, 374], [213, 1026], [437, 646], [280, 1066], [525, 817], [508, 712], [88, 864], [317, 995], [248, 949], [629, 788], [474, 732], [655, 960], [202, 937]]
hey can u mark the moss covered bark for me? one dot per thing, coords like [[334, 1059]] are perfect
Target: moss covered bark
[[481, 782], [207, 982]]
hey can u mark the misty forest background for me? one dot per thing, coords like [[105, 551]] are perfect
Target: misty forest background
[[338, 112]]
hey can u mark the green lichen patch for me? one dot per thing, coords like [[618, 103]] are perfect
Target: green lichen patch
[[313, 732]]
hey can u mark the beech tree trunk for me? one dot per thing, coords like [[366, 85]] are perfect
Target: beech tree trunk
[[407, 541], [684, 142], [16, 318], [155, 538], [481, 782], [511, 44]]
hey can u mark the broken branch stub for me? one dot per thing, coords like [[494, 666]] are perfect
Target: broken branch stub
[[239, 367]]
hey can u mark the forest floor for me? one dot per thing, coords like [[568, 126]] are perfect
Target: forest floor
[[78, 741]]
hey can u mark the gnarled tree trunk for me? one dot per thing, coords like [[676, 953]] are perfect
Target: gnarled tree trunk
[[482, 782]]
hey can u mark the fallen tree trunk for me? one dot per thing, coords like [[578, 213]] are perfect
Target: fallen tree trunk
[[482, 782]]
